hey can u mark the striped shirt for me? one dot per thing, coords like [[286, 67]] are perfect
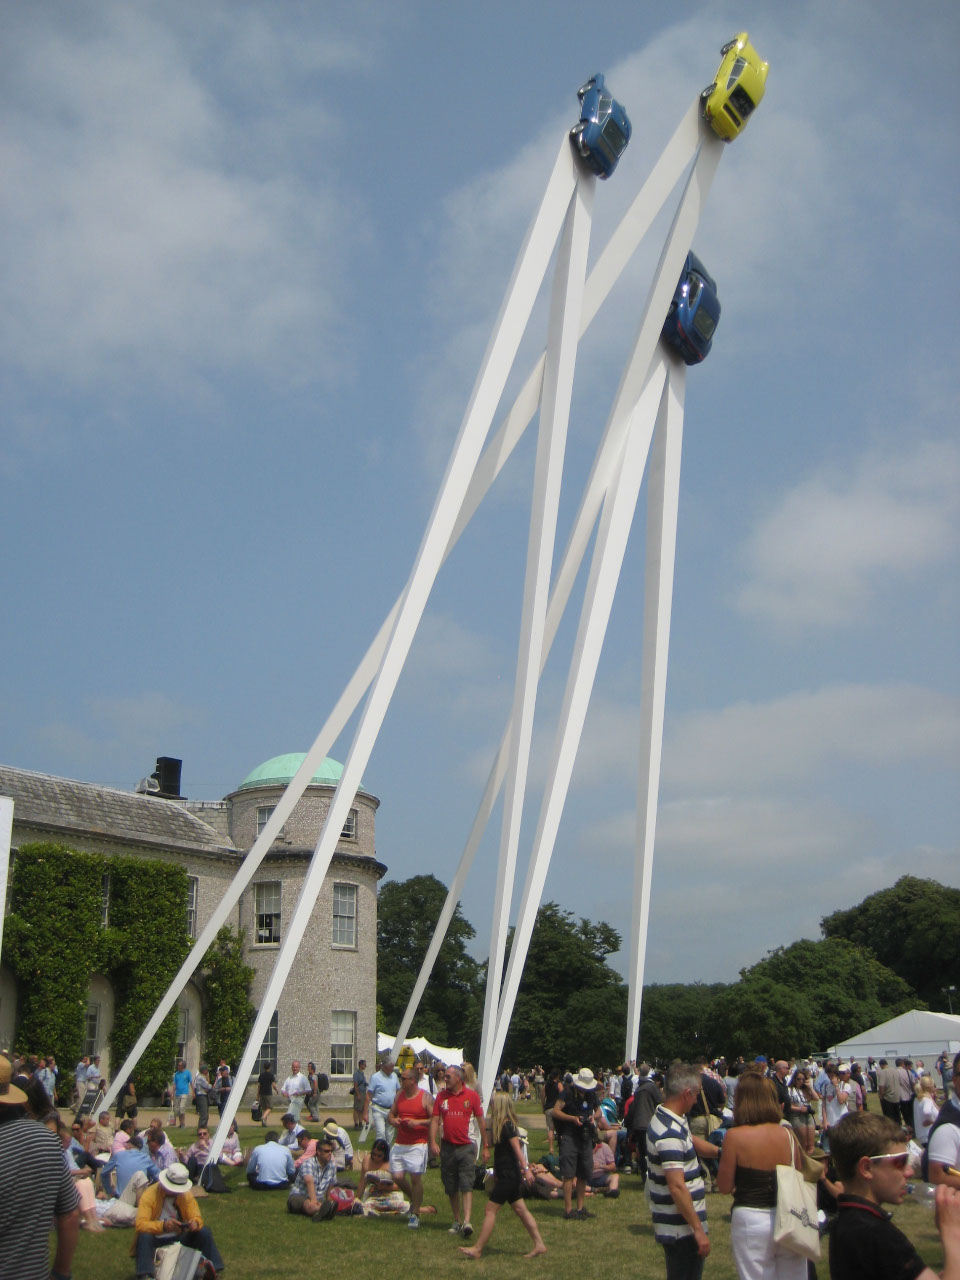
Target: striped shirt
[[35, 1187], [669, 1146], [324, 1176]]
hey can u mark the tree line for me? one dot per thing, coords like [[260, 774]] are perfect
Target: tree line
[[894, 951]]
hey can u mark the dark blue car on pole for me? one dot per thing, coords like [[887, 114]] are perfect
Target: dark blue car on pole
[[603, 131], [694, 312]]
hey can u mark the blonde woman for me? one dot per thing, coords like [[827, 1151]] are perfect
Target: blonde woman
[[925, 1109], [510, 1171]]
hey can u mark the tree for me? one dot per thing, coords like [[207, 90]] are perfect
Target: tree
[[808, 996], [229, 1013], [571, 1006], [678, 1021], [408, 911], [913, 928]]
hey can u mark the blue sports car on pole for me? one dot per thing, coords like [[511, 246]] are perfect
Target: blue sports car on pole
[[603, 131], [694, 312]]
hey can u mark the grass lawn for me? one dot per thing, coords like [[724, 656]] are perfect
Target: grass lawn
[[259, 1240]]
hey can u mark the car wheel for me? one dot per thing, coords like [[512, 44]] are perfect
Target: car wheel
[[707, 91], [584, 88], [576, 137], [727, 47]]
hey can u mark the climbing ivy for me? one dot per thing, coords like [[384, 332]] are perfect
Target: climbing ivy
[[55, 941], [226, 980]]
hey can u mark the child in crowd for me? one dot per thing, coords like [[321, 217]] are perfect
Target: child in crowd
[[871, 1158]]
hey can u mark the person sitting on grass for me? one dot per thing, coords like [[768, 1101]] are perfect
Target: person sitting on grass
[[292, 1129], [315, 1177], [195, 1157], [342, 1146], [871, 1158], [605, 1177], [167, 1214], [377, 1191], [510, 1173], [306, 1148], [232, 1152], [270, 1167]]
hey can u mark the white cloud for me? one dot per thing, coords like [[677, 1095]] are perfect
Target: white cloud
[[833, 542], [800, 735], [150, 230]]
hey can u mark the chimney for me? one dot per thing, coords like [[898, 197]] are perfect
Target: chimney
[[167, 775]]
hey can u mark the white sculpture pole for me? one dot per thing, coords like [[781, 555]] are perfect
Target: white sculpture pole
[[606, 464], [562, 337], [606, 272], [612, 535], [583, 670], [521, 294], [6, 836], [663, 501]]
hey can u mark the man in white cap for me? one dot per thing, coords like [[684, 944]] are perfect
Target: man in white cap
[[36, 1191], [578, 1110], [167, 1213]]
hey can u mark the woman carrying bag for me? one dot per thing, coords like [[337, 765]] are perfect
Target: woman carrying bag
[[752, 1151]]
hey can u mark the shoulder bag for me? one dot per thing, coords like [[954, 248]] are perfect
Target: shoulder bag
[[795, 1228]]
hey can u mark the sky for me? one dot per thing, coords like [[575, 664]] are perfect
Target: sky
[[250, 257]]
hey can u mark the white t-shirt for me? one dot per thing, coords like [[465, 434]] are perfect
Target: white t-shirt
[[925, 1111], [944, 1146]]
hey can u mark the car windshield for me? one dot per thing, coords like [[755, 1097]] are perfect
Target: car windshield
[[735, 72], [613, 137], [704, 323]]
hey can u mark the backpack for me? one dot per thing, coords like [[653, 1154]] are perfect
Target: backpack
[[323, 1082], [949, 1114], [343, 1198], [211, 1179]]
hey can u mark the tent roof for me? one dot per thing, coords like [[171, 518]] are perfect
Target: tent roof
[[915, 1025], [449, 1057]]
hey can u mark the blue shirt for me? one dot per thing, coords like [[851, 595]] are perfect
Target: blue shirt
[[181, 1082], [271, 1163], [383, 1088], [122, 1165]]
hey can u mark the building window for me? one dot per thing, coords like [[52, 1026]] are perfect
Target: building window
[[105, 897], [349, 831], [263, 816], [193, 884], [267, 907], [344, 915], [268, 1050], [343, 1035], [91, 1031], [183, 1033]]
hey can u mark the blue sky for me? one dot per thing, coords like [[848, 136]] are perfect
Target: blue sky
[[251, 258]]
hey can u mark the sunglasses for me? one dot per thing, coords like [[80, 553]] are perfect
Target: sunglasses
[[899, 1159]]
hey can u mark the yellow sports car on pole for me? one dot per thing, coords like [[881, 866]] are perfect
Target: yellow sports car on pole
[[738, 88]]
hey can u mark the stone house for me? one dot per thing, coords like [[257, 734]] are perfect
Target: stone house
[[327, 1012]]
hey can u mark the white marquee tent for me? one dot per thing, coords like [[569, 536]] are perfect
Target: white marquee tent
[[449, 1057], [917, 1034]]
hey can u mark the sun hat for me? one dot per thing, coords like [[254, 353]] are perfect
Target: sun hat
[[175, 1178], [585, 1079], [10, 1095], [331, 1129]]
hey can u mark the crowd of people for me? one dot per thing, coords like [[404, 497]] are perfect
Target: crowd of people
[[854, 1132]]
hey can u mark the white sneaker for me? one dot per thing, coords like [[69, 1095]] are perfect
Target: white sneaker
[[413, 1222], [455, 1230]]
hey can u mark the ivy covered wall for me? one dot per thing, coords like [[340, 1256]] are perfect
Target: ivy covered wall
[[55, 940]]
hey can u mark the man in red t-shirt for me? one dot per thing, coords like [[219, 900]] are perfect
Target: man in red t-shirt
[[410, 1114], [454, 1106]]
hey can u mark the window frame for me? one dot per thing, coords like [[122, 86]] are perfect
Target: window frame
[[351, 826], [91, 1045], [266, 810], [354, 944], [337, 1057], [268, 1049], [193, 904], [259, 887]]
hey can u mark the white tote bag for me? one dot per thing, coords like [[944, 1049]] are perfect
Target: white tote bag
[[796, 1227]]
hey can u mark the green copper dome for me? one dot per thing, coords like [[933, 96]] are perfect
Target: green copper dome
[[279, 771]]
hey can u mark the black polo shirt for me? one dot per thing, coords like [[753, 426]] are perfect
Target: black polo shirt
[[865, 1245]]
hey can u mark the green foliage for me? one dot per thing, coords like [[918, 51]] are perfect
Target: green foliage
[[229, 1014], [571, 1006], [55, 942], [913, 928], [407, 915], [676, 1021]]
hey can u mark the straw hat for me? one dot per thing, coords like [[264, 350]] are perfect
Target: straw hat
[[10, 1095]]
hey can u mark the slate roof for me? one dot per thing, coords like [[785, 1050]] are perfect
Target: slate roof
[[65, 807]]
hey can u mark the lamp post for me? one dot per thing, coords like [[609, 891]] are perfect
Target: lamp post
[[950, 992]]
